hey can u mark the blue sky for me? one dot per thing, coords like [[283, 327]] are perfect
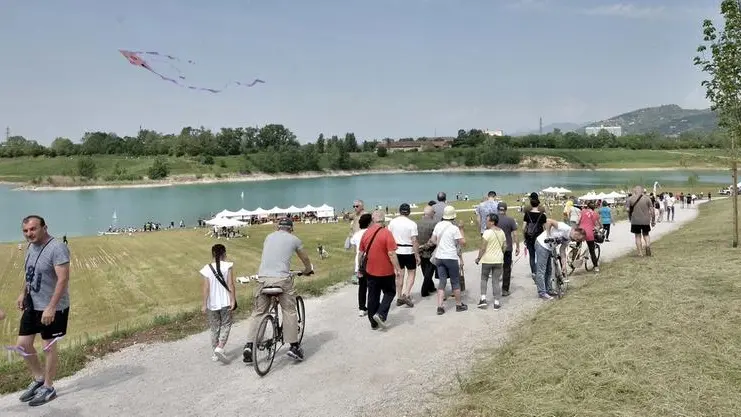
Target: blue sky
[[378, 68]]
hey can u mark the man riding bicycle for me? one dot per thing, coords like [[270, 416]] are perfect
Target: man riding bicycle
[[275, 271], [563, 233]]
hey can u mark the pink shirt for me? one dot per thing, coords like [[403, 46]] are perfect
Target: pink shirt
[[587, 222]]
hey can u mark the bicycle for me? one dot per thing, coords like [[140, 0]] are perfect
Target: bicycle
[[559, 283], [272, 344], [579, 254]]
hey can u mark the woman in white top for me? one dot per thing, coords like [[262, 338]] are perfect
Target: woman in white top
[[219, 299], [447, 236]]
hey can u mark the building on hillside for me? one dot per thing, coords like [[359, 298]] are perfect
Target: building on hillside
[[498, 132], [594, 130], [418, 145]]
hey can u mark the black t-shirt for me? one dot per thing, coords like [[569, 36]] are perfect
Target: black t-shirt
[[538, 219]]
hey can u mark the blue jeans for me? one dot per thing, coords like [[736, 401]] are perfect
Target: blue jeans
[[448, 268], [543, 270]]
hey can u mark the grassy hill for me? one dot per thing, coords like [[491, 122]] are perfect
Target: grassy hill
[[666, 120]]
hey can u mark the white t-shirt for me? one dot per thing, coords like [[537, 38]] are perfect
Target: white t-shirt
[[574, 214], [218, 296], [562, 231], [404, 229], [670, 201], [355, 241], [447, 234]]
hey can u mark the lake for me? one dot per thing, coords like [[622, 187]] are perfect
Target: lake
[[86, 212]]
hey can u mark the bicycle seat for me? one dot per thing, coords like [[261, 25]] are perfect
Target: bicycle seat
[[272, 291]]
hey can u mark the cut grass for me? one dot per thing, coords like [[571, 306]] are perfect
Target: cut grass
[[657, 336]]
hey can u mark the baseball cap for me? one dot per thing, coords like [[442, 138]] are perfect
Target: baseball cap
[[449, 213], [533, 196], [405, 209], [502, 205], [285, 222]]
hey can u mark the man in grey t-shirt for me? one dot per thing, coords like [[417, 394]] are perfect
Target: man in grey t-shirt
[[45, 304], [275, 269], [439, 207]]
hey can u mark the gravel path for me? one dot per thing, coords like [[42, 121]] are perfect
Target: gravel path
[[349, 370]]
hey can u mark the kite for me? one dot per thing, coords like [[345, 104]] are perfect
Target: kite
[[135, 58]]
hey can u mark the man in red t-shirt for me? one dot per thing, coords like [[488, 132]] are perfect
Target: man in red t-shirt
[[382, 270]]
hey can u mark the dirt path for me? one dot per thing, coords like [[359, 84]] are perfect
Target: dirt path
[[349, 370]]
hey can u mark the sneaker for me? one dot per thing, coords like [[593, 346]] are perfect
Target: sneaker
[[219, 352], [461, 307], [379, 320], [214, 358], [596, 269], [552, 293], [482, 303], [296, 353], [408, 301], [362, 313], [546, 297], [505, 293], [495, 305], [247, 353], [400, 301], [648, 251], [30, 392], [43, 396], [440, 311]]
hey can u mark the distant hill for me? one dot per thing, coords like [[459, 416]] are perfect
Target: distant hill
[[666, 120]]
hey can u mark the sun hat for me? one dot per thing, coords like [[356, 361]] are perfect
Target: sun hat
[[449, 213]]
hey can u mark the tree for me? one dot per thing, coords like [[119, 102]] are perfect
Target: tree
[[723, 88], [86, 167], [159, 169], [382, 152], [320, 143]]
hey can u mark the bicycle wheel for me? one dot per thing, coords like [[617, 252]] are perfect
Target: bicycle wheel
[[265, 345], [301, 311], [588, 265], [556, 278]]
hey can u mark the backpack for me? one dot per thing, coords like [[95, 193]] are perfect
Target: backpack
[[533, 228]]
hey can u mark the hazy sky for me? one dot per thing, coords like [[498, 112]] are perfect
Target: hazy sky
[[378, 68]]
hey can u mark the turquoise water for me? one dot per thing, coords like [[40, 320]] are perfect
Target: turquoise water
[[85, 212]]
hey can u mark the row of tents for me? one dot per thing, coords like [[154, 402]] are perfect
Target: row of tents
[[227, 218]]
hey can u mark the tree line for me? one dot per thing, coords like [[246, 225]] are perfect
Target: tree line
[[273, 148]]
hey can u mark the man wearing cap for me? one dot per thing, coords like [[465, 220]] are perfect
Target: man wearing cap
[[509, 227], [528, 207], [405, 234], [425, 226], [485, 208], [275, 271]]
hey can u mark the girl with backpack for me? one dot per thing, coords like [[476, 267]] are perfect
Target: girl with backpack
[[533, 222], [219, 299]]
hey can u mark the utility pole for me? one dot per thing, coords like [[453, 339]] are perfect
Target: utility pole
[[7, 133], [540, 129]]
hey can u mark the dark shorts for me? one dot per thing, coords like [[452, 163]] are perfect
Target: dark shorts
[[31, 324], [407, 262], [640, 229]]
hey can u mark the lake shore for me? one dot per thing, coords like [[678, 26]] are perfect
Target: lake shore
[[176, 180]]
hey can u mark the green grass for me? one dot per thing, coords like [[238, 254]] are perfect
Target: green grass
[[655, 336], [63, 170], [636, 159]]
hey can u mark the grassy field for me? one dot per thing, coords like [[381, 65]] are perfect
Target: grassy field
[[63, 170], [652, 336]]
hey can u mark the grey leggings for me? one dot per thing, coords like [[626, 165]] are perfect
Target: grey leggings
[[220, 322], [495, 271]]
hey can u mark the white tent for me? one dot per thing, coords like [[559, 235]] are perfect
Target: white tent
[[307, 208], [277, 210], [591, 196], [549, 190], [293, 210], [225, 213], [260, 212], [225, 222], [243, 213], [325, 211]]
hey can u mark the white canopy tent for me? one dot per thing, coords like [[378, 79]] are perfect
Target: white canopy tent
[[293, 210], [277, 210], [225, 222], [324, 211], [307, 208], [226, 213], [555, 190]]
